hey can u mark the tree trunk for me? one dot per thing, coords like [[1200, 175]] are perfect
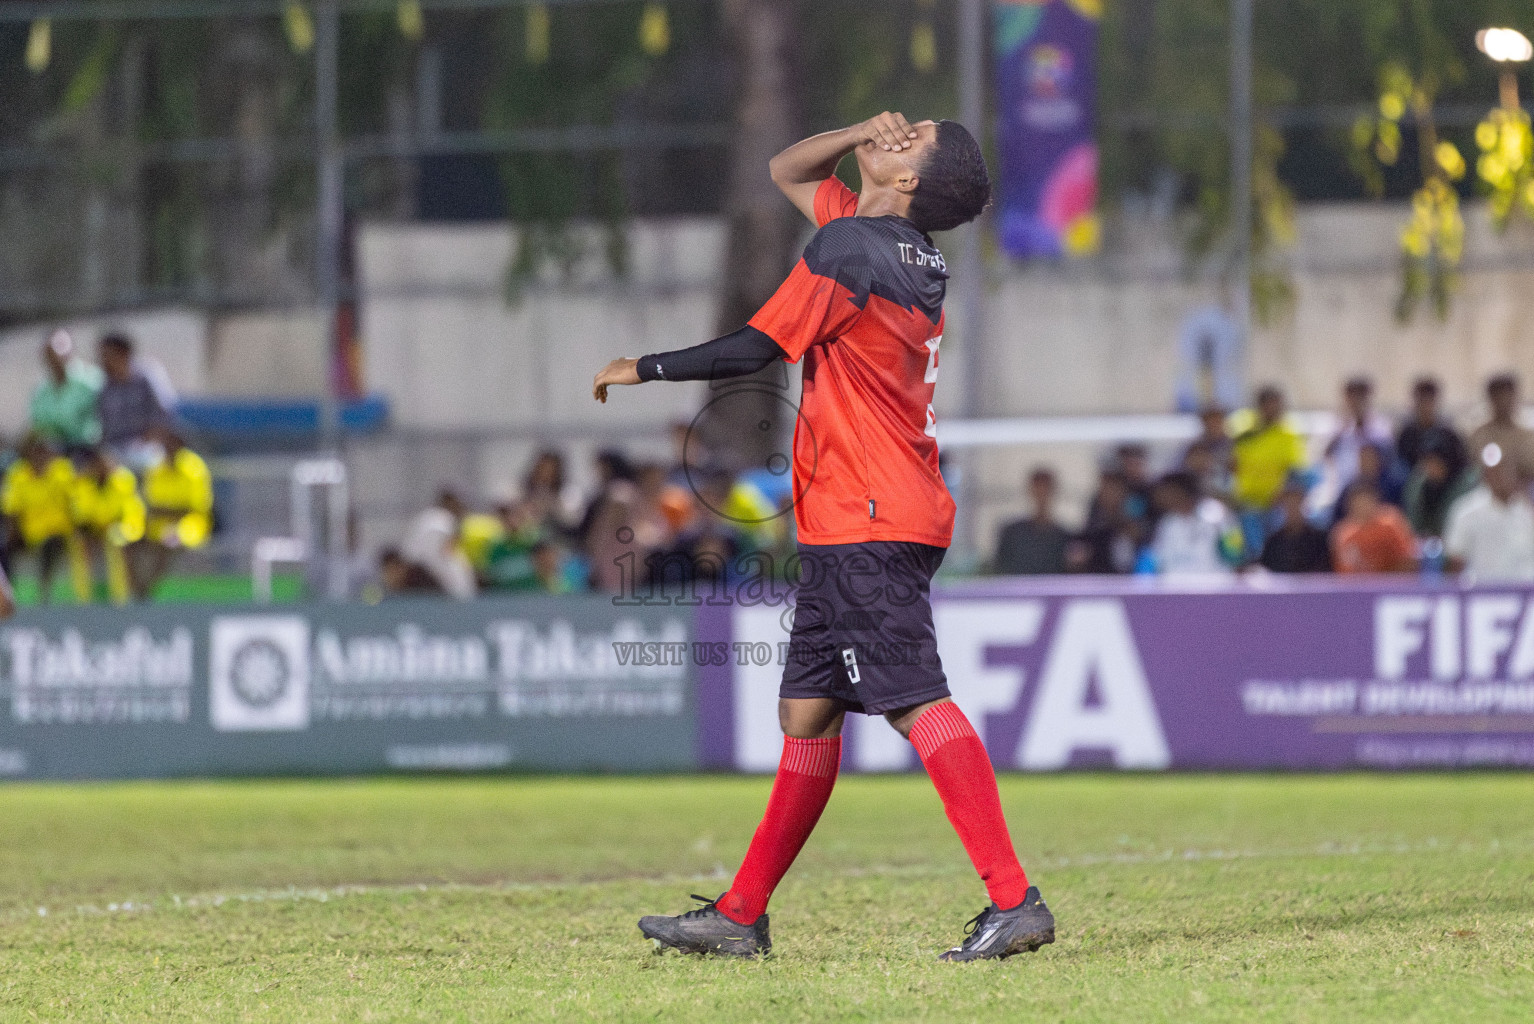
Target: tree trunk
[[745, 427]]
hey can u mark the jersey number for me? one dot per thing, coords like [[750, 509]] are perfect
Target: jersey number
[[930, 377]]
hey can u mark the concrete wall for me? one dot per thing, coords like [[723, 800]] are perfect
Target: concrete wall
[[442, 341], [1099, 337], [1102, 337], [267, 355]]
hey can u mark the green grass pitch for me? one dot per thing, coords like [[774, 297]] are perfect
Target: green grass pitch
[[1180, 898]]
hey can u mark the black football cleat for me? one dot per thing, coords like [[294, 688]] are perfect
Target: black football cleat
[[706, 930], [996, 934]]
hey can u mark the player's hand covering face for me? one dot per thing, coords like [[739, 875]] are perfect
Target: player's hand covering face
[[886, 131], [897, 166]]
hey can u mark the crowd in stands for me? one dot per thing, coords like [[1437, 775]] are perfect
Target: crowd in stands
[[643, 523], [1246, 496], [102, 481]]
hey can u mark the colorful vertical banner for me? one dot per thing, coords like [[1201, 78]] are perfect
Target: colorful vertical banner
[[1046, 56]]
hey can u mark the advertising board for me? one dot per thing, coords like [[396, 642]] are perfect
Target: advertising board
[[1315, 675], [327, 689]]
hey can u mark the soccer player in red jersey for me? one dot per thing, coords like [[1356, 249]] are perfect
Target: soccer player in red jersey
[[863, 310]]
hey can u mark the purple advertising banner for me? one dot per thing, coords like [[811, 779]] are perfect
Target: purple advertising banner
[[1046, 57], [1287, 674]]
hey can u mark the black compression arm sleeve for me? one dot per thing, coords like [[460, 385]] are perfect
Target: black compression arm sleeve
[[734, 355]]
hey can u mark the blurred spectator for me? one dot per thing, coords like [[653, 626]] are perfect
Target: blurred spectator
[[477, 533], [1439, 479], [1209, 350], [752, 514], [1036, 544], [547, 494], [39, 519], [1372, 537], [712, 556], [1215, 444], [1490, 532], [553, 570], [110, 516], [1109, 540], [1376, 467], [615, 485], [714, 540], [509, 561], [1196, 535], [1201, 459], [769, 490], [431, 542], [1503, 429], [1297, 544], [7, 597], [133, 404], [679, 505], [178, 498], [658, 510], [1361, 428], [402, 577], [1266, 452], [607, 533], [1133, 460], [64, 403], [1427, 429]]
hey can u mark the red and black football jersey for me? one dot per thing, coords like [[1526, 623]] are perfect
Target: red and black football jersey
[[864, 309]]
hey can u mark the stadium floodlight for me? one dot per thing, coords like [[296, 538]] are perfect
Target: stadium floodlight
[[1504, 44]]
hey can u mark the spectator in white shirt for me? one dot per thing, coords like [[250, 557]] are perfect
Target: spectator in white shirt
[[432, 543], [1194, 532], [1361, 426], [1490, 532]]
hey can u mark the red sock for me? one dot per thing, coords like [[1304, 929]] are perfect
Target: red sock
[[806, 775], [955, 758]]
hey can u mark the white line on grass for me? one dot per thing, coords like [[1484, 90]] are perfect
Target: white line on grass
[[323, 894]]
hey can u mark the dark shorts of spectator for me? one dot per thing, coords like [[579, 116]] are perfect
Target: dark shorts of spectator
[[862, 633]]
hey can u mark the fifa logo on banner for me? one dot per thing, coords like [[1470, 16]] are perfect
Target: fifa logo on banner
[[259, 673]]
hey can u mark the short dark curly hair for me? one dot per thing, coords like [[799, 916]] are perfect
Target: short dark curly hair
[[953, 187]]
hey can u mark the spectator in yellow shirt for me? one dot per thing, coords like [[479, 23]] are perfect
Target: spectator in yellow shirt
[[178, 495], [39, 519], [1266, 452], [110, 516], [478, 533]]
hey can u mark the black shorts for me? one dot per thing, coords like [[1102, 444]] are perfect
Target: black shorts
[[862, 630]]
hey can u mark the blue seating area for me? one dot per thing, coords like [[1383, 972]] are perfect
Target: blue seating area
[[231, 425]]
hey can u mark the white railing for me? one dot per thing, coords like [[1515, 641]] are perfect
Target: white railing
[[327, 475], [984, 433]]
